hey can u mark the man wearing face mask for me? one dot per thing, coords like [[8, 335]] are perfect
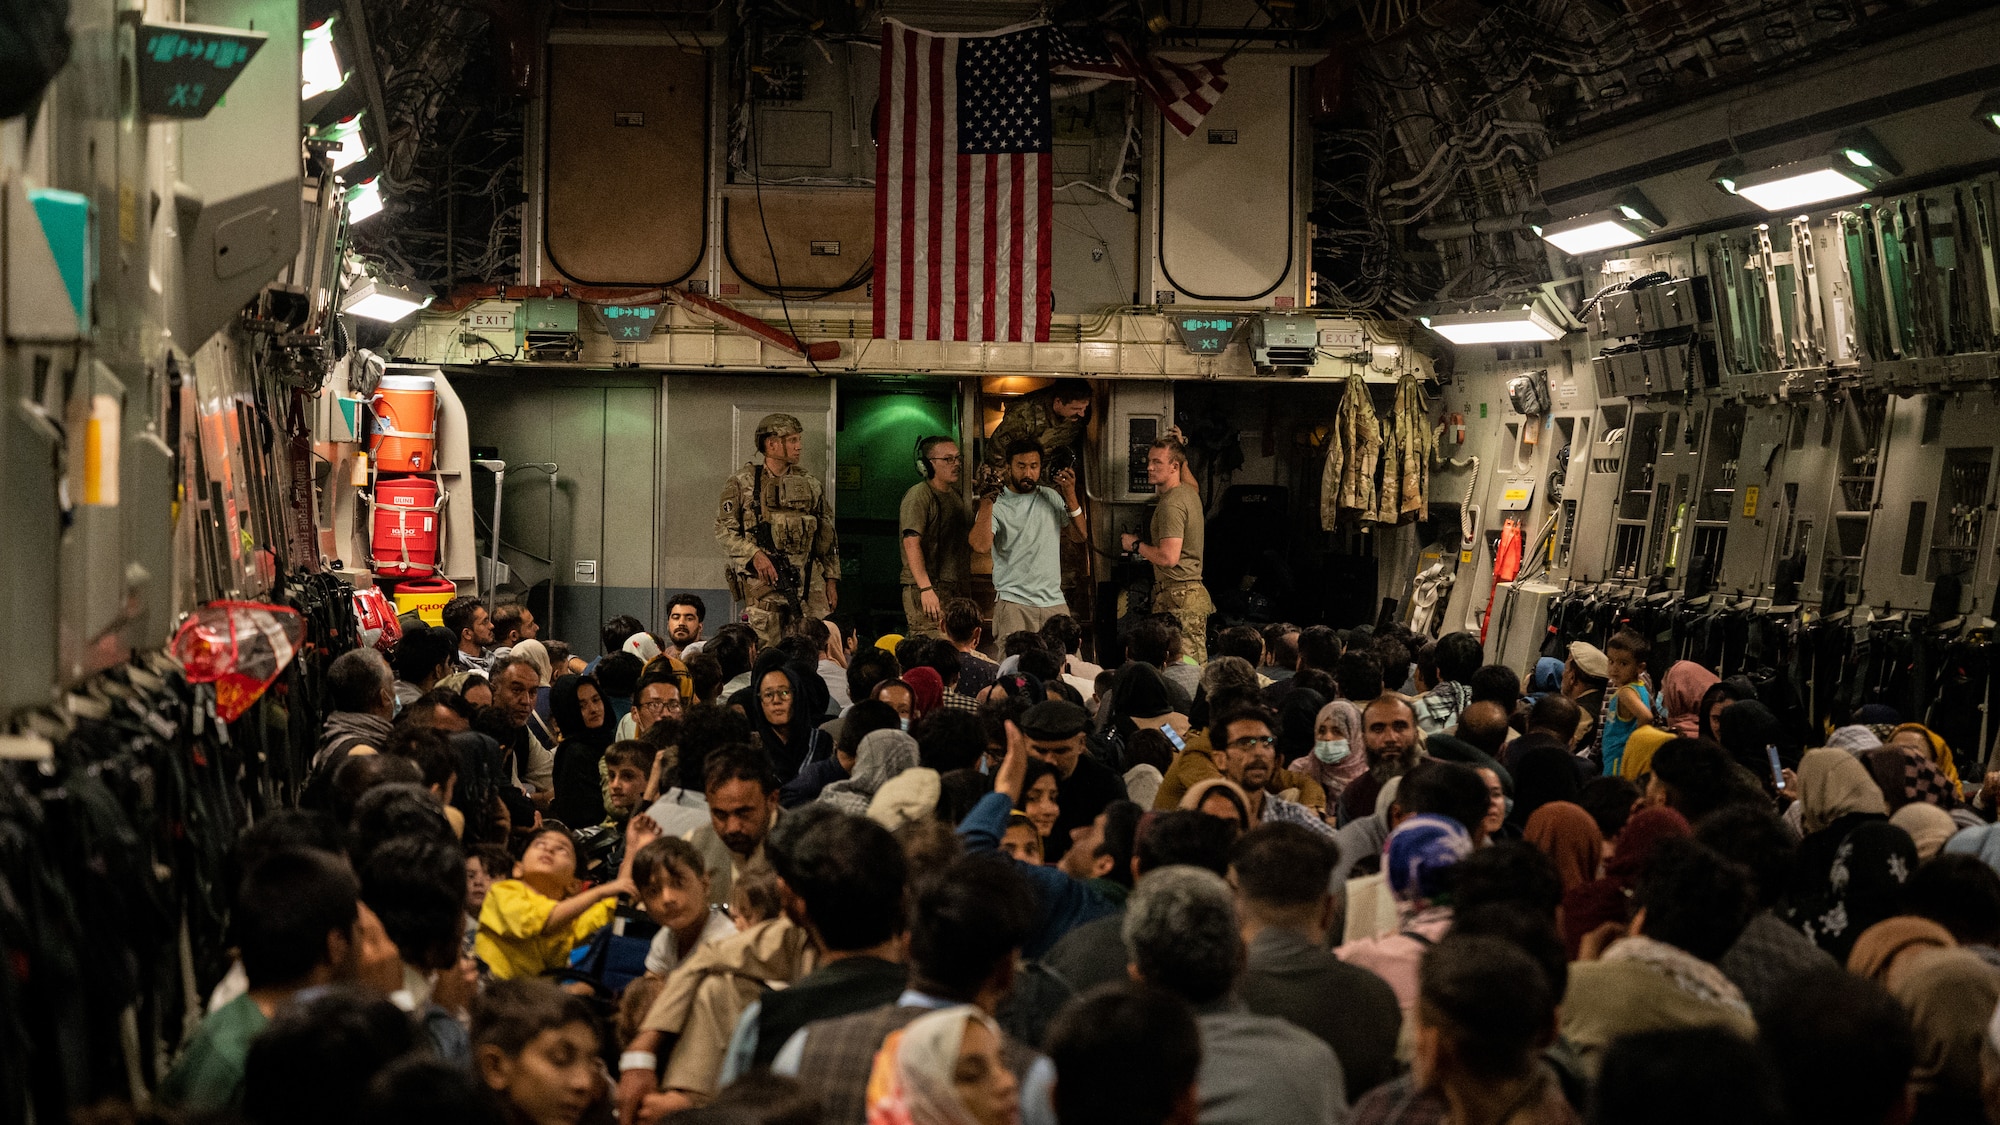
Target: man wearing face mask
[[1023, 527]]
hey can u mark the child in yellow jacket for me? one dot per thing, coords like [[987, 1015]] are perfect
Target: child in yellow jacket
[[529, 924]]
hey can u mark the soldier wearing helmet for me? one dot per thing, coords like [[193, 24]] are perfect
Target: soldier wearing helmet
[[774, 523]]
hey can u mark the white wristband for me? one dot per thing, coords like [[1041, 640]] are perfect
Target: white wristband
[[1076, 511], [638, 1060]]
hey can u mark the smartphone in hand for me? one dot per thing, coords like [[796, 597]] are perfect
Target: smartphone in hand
[[1777, 768]]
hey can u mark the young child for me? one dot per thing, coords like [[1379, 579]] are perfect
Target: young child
[[536, 1048], [754, 896], [529, 923], [484, 865], [673, 886], [1630, 703], [1022, 840], [627, 765]]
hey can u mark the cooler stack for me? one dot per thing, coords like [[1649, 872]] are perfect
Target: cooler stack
[[406, 498]]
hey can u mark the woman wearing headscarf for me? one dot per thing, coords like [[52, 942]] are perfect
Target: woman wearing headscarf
[[882, 755], [1221, 798], [927, 690], [1745, 729], [1718, 698], [1928, 825], [1570, 838], [1907, 776], [1546, 679], [1681, 692], [1608, 898], [586, 730], [945, 1068], [1887, 951], [1298, 720], [1861, 886], [1336, 756], [780, 713], [1923, 740], [1416, 861], [1836, 795], [1544, 771], [1140, 698], [1951, 996]]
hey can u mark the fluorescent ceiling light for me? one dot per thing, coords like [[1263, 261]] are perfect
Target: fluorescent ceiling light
[[320, 71], [1857, 164], [364, 200], [1632, 218], [378, 300], [1507, 326]]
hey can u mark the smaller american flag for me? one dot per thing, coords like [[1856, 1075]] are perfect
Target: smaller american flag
[[1185, 94]]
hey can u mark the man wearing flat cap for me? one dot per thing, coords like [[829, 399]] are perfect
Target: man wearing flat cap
[[774, 522], [1585, 676], [1056, 730]]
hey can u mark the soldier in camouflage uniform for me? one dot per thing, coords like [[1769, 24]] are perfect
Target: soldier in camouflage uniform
[[774, 507], [1052, 416]]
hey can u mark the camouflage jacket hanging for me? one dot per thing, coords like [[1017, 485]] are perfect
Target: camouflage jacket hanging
[[1353, 450], [1407, 442]]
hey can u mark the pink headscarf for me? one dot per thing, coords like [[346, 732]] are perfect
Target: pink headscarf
[[926, 688], [1334, 778], [1681, 690]]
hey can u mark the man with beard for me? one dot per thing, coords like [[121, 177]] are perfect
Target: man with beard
[[1023, 527], [685, 613], [742, 806], [935, 523], [1389, 735], [1250, 758]]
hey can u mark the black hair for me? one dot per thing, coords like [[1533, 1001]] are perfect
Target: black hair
[[312, 1064], [1483, 724], [1608, 800], [507, 618], [420, 652], [1038, 769], [1283, 641], [1426, 661], [1496, 683], [1694, 899], [732, 649], [961, 619], [1960, 893], [284, 830], [863, 719], [1041, 664], [360, 773], [947, 739], [869, 667], [1317, 681], [1509, 872], [664, 854], [285, 907], [1445, 789], [618, 676], [458, 615], [941, 656], [1184, 838], [1125, 1054], [1631, 641], [1021, 447], [1531, 931], [700, 607], [428, 748], [423, 710], [1759, 842], [1320, 647], [1491, 1000], [704, 674], [1841, 1045], [1240, 640], [1669, 1077], [1150, 642], [631, 752], [706, 728], [1459, 656], [849, 872], [416, 885], [1218, 727], [422, 1090], [1069, 390], [618, 630], [397, 809], [1119, 839], [1062, 633], [508, 1014], [1358, 675], [1557, 714], [966, 923], [741, 762], [1283, 864], [1020, 641], [1701, 777], [1147, 746]]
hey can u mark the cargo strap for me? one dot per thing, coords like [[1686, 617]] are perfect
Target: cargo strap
[[403, 541]]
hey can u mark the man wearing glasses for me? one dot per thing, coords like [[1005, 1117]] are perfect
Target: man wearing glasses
[[1250, 759], [936, 524]]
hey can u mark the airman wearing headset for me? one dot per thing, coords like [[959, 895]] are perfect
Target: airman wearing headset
[[935, 524]]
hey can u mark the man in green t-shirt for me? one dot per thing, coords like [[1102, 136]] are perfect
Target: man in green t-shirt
[[1175, 546], [934, 523]]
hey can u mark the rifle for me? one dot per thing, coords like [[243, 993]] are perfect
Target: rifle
[[791, 585]]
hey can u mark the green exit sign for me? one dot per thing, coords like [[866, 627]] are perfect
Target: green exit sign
[[1206, 333], [185, 68], [629, 324]]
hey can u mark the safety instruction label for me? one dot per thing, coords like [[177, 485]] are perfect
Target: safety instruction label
[[1750, 502]]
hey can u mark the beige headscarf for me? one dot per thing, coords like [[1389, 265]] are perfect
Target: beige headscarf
[[914, 1077], [1928, 825], [1950, 994], [1833, 783], [537, 656]]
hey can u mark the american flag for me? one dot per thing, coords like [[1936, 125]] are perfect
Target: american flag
[[1185, 94], [962, 186]]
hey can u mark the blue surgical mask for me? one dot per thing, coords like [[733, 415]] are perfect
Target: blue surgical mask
[[905, 720], [1330, 750]]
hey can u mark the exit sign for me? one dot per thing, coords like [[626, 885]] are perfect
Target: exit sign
[[185, 68], [1206, 333], [629, 324]]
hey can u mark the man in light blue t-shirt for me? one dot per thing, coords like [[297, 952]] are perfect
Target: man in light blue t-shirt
[[1023, 528]]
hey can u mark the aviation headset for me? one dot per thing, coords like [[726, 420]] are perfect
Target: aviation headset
[[924, 446]]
